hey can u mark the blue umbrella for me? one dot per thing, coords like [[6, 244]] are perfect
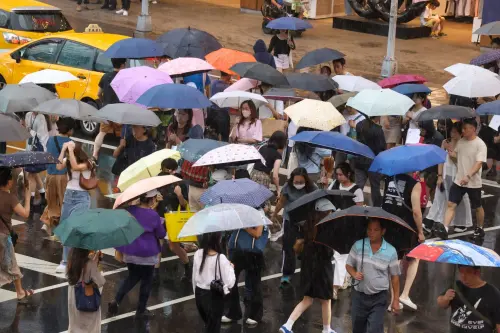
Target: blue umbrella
[[486, 58], [408, 158], [491, 108], [411, 88], [289, 23], [174, 96], [239, 191], [193, 149], [26, 158], [134, 48], [334, 141]]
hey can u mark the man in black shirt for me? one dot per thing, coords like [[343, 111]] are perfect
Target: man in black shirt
[[475, 304]]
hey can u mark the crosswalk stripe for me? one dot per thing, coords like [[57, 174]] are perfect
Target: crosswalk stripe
[[38, 265], [7, 295]]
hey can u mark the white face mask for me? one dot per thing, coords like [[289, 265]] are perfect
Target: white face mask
[[299, 186], [246, 113]]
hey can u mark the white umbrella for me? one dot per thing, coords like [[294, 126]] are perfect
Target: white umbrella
[[473, 86], [381, 102], [233, 154], [354, 83], [233, 99], [468, 70], [49, 76], [315, 114]]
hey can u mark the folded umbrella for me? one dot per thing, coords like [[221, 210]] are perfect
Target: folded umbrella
[[382, 102], [230, 155], [24, 158], [261, 72], [288, 23], [315, 114], [354, 83], [486, 58], [185, 66], [223, 217], [48, 76], [282, 94], [174, 96], [409, 89], [490, 29], [134, 48], [319, 56], [445, 112], [23, 97], [408, 158], [11, 129], [311, 82], [241, 191], [340, 100], [193, 149], [128, 114], [188, 42], [474, 85], [223, 59], [243, 84], [398, 79], [233, 99], [68, 107], [491, 108], [460, 69]]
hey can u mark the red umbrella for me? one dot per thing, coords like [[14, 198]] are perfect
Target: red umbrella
[[398, 79]]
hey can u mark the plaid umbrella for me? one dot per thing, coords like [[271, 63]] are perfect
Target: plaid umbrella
[[241, 191], [486, 58]]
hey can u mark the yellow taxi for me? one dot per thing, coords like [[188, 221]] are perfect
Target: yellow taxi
[[22, 21]]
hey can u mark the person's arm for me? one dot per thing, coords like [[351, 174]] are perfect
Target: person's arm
[[395, 289], [276, 175], [440, 167], [24, 211], [119, 149], [273, 40], [291, 43], [72, 160], [62, 164], [95, 274], [276, 4], [444, 301], [227, 270], [255, 232], [180, 197], [351, 263], [417, 211], [279, 206], [275, 113], [385, 122], [359, 197]]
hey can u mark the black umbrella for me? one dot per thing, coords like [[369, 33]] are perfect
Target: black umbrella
[[311, 82], [319, 56], [25, 158], [261, 72], [340, 230], [11, 129], [188, 42], [282, 94], [446, 112]]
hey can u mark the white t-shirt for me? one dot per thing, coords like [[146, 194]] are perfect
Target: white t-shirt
[[358, 194], [38, 127], [344, 128], [74, 182], [426, 14], [206, 276], [468, 153], [413, 123]]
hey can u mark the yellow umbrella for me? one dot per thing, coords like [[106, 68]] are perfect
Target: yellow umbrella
[[315, 114], [146, 167]]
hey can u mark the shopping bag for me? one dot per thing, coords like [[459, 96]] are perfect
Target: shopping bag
[[270, 125], [174, 222]]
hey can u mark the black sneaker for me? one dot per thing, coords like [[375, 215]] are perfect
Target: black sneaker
[[113, 308], [440, 231], [143, 314], [478, 233]]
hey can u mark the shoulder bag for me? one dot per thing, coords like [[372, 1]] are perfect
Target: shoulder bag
[[217, 285], [471, 307], [87, 296], [242, 240], [90, 183]]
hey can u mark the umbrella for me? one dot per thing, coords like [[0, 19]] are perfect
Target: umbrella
[[134, 48], [468, 70], [354, 83], [492, 28], [478, 85], [486, 58], [409, 89], [319, 56], [408, 158], [223, 217], [340, 100], [288, 23], [48, 76], [188, 42], [233, 99], [240, 191], [334, 141], [382, 102], [128, 114], [491, 108], [143, 186], [311, 82], [193, 149], [261, 72], [315, 114], [223, 59], [230, 155], [445, 112], [341, 229], [12, 130], [130, 83], [456, 252], [243, 84], [185, 66], [282, 94], [146, 167], [23, 97], [24, 158], [174, 96], [398, 79], [97, 229], [68, 107]]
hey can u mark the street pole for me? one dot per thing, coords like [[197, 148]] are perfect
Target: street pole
[[144, 22], [390, 64]]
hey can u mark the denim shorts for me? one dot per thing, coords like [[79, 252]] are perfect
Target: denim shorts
[[74, 201]]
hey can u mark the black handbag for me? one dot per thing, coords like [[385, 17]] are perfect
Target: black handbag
[[217, 285]]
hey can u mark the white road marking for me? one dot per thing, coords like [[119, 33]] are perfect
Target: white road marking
[[490, 183], [7, 295], [38, 265], [17, 222]]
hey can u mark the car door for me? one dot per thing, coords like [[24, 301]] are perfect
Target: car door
[[78, 59]]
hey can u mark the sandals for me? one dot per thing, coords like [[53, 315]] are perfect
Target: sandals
[[27, 295]]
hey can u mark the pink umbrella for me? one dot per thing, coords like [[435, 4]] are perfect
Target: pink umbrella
[[181, 66], [142, 187], [130, 83], [243, 85], [398, 79]]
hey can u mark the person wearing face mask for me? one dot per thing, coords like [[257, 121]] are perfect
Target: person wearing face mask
[[419, 99], [178, 130], [249, 127], [135, 146]]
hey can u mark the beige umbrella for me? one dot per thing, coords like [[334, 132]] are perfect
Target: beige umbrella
[[315, 114], [340, 100]]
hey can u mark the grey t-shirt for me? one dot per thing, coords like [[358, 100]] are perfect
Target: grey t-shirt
[[292, 194]]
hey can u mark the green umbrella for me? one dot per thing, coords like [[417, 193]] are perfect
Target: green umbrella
[[98, 229]]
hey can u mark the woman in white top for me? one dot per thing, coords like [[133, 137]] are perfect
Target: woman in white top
[[419, 99], [210, 264]]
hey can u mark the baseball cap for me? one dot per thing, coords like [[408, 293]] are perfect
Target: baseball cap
[[152, 193], [324, 205]]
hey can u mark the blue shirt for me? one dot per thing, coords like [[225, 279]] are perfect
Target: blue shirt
[[52, 148], [198, 80]]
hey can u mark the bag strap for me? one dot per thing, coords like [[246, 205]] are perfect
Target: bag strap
[[472, 308], [58, 146], [5, 223]]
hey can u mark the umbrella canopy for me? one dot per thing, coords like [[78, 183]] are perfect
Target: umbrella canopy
[[456, 252], [311, 82], [223, 217], [398, 79], [130, 83], [223, 59], [319, 56], [11, 129], [48, 76], [382, 102], [409, 89], [354, 83], [146, 167], [241, 191], [491, 108], [288, 23], [243, 84], [408, 158], [230, 155], [23, 97], [185, 66], [24, 158], [143, 186], [468, 70], [68, 107], [174, 96], [188, 42], [445, 112], [477, 85], [492, 28], [233, 99], [97, 229], [341, 229], [334, 141], [128, 114], [282, 94], [486, 58], [261, 72], [134, 48], [342, 99], [315, 114], [193, 149]]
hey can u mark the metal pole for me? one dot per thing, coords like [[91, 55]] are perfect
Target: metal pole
[[389, 64], [144, 22]]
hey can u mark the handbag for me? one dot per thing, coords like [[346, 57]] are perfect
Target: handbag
[[87, 297], [89, 183], [243, 241], [174, 221], [217, 285], [121, 163], [119, 256], [269, 126]]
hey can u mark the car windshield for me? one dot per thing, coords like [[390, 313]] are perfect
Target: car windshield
[[39, 21]]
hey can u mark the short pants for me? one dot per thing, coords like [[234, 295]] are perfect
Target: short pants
[[458, 192], [111, 128]]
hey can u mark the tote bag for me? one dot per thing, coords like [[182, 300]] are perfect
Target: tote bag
[[174, 221]]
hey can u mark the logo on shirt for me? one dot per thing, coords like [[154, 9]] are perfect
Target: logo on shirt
[[461, 316]]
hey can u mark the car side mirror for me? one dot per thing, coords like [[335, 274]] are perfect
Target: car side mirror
[[16, 56]]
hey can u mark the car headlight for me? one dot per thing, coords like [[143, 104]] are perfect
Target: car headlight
[[15, 39]]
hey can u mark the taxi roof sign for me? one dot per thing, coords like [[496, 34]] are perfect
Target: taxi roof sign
[[93, 28]]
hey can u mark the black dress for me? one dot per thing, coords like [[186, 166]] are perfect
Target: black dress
[[316, 271]]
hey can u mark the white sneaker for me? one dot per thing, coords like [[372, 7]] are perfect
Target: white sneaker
[[155, 2], [250, 322], [408, 303], [226, 320], [120, 11], [125, 13], [61, 269]]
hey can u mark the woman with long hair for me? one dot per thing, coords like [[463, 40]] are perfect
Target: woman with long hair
[[281, 46], [419, 99], [249, 127], [177, 131], [83, 268]]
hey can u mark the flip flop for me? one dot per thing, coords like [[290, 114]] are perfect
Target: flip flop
[[27, 294]]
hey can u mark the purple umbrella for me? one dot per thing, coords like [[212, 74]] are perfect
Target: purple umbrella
[[486, 58], [129, 84]]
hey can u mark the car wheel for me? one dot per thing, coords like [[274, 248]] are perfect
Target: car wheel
[[90, 128], [2, 82]]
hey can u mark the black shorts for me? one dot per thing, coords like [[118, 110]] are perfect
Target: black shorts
[[458, 192]]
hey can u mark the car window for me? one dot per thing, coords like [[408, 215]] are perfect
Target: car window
[[4, 19], [42, 52], [39, 21], [103, 64], [76, 55]]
